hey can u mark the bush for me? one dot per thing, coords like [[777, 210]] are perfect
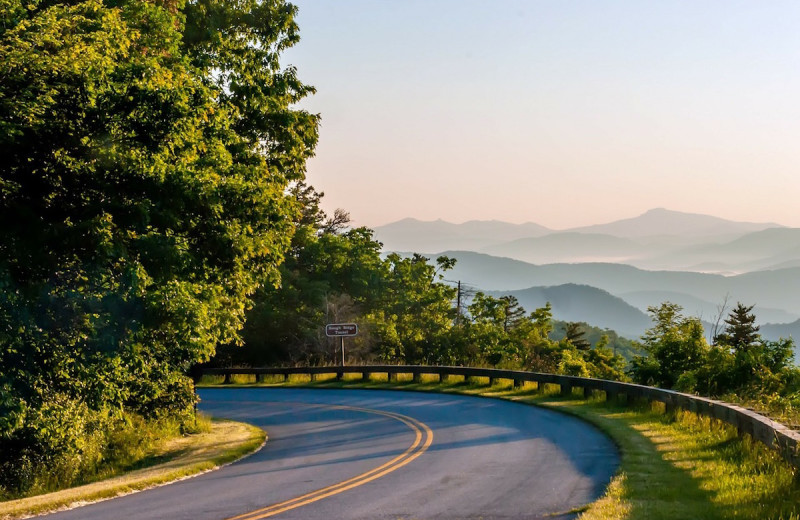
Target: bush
[[65, 444]]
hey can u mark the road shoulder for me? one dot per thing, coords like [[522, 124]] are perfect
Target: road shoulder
[[188, 456]]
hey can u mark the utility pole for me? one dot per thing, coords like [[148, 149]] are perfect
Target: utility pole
[[458, 304]]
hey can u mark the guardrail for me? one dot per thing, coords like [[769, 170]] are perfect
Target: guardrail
[[773, 434]]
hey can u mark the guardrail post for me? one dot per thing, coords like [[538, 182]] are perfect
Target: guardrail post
[[259, 378], [285, 376], [417, 377], [227, 380], [392, 377], [339, 375], [587, 392], [365, 376], [518, 383], [669, 405], [313, 377], [566, 389], [492, 381], [443, 377]]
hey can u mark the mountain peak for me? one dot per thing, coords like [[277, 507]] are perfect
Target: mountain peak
[[662, 221]]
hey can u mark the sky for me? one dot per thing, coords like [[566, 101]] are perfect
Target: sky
[[559, 112]]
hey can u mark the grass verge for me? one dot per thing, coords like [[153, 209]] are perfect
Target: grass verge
[[673, 466], [225, 442]]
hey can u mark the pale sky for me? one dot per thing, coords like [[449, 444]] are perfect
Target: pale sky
[[559, 112]]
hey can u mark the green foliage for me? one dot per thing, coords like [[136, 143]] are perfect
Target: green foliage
[[576, 336], [330, 273], [619, 345], [740, 332], [92, 446], [675, 345], [739, 361], [147, 148], [415, 309]]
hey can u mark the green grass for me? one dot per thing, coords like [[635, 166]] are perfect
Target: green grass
[[673, 466], [176, 458]]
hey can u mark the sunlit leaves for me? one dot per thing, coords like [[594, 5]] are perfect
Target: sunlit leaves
[[142, 195]]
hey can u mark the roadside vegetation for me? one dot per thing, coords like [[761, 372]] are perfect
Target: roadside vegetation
[[216, 443], [672, 465], [147, 148]]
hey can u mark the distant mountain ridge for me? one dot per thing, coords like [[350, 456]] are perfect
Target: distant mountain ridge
[[662, 221], [573, 302], [608, 274], [656, 240], [569, 247], [424, 236], [778, 289]]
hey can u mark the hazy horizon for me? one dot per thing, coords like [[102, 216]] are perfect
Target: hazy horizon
[[458, 222], [560, 113]]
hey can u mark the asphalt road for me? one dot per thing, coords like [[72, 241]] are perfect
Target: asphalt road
[[369, 454]]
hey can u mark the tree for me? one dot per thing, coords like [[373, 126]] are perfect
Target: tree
[[576, 336], [604, 363], [756, 364], [325, 266], [675, 345], [147, 148], [513, 313], [740, 332], [415, 310]]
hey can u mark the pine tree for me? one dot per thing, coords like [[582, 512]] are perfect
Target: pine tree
[[740, 331]]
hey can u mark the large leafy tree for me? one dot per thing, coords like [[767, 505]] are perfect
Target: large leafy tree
[[328, 267], [415, 311], [147, 147]]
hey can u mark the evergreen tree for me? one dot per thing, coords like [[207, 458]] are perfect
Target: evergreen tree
[[740, 332], [576, 335], [512, 312]]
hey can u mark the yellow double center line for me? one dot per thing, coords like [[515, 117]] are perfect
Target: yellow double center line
[[423, 437]]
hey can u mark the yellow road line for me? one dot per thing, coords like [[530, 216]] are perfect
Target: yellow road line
[[417, 448]]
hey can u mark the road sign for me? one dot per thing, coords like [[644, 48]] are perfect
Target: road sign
[[341, 329]]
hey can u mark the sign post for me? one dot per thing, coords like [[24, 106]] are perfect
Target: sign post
[[341, 330]]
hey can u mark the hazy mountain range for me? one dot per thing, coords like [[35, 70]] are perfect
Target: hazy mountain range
[[659, 239], [607, 275]]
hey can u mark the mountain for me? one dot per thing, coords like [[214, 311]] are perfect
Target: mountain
[[773, 331], [754, 251], [776, 289], [659, 239], [572, 302], [569, 247], [426, 236], [660, 221], [700, 308]]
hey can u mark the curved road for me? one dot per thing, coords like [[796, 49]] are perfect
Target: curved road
[[369, 454]]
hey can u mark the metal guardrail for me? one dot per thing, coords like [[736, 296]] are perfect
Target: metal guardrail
[[773, 434]]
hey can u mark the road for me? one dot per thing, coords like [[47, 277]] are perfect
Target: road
[[369, 454]]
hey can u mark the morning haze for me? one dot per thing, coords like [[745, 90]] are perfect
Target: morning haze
[[608, 275]]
